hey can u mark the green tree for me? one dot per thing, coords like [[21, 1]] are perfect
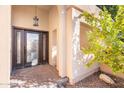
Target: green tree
[[105, 40], [112, 9]]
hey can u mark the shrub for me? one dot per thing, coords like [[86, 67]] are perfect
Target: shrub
[[106, 39]]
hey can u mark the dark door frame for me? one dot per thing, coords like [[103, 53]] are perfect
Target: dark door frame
[[23, 43]]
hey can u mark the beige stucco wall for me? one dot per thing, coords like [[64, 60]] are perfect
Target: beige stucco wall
[[84, 28], [57, 23], [106, 69], [69, 26], [22, 16], [77, 70], [5, 44], [54, 48], [53, 28], [62, 40]]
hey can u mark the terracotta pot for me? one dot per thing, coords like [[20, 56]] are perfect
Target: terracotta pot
[[108, 70]]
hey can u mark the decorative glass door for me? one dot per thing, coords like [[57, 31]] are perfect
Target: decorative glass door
[[32, 48]]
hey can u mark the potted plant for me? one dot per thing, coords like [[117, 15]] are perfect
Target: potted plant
[[106, 41]]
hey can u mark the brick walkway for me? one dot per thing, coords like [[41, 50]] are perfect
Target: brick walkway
[[37, 75]]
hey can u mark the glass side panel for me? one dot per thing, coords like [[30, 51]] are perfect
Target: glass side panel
[[44, 46], [32, 48], [18, 47]]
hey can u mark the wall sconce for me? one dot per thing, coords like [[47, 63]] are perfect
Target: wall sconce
[[35, 18]]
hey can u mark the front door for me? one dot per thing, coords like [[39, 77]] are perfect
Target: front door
[[30, 48]]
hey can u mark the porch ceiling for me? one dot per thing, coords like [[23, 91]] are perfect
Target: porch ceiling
[[45, 7]]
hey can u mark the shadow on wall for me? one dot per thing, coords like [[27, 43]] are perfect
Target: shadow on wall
[[54, 47]]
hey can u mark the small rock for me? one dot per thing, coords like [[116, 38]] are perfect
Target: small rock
[[62, 82], [106, 79]]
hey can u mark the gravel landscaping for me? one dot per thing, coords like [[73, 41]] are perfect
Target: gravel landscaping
[[93, 81]]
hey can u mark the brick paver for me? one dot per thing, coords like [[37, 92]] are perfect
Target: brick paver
[[38, 74]]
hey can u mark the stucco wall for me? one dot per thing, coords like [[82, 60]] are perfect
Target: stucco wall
[[69, 27], [57, 22], [22, 16], [79, 69], [53, 36], [5, 44], [62, 40], [84, 28], [54, 49]]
